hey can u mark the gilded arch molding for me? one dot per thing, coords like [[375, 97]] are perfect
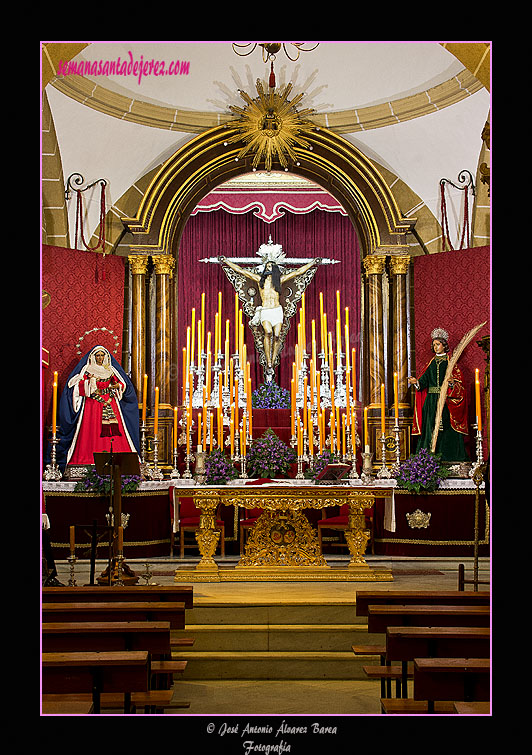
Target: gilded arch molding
[[207, 161]]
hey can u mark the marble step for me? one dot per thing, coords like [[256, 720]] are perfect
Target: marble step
[[273, 665], [276, 637], [274, 613]]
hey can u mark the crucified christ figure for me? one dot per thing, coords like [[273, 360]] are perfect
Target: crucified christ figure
[[269, 314]]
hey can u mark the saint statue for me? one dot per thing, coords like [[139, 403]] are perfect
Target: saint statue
[[98, 410], [269, 293], [453, 424]]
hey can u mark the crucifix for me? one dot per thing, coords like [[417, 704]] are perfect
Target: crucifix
[[269, 291]]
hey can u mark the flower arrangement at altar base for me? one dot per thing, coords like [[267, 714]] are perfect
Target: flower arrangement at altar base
[[270, 396], [218, 468], [269, 456], [422, 472], [94, 483]]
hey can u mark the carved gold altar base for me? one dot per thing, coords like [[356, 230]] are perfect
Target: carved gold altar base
[[282, 545]]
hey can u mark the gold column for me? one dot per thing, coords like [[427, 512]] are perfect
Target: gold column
[[399, 267], [164, 265], [374, 267], [138, 264]]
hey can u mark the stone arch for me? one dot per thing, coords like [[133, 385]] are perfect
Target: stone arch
[[207, 161]]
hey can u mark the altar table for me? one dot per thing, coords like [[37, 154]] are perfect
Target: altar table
[[283, 545]]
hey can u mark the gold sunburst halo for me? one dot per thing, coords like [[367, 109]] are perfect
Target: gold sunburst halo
[[270, 125]]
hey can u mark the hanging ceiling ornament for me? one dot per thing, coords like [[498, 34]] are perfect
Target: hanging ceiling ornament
[[271, 126]]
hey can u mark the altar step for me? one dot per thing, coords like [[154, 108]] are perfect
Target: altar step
[[312, 646]]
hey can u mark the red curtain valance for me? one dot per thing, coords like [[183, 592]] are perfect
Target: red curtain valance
[[269, 205]]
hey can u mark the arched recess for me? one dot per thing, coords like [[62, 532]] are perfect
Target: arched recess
[[207, 161]]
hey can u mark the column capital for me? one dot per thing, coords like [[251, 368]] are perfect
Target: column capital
[[163, 263], [399, 263], [138, 263], [374, 264]]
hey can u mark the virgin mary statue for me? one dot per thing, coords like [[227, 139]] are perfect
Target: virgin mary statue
[[98, 411]]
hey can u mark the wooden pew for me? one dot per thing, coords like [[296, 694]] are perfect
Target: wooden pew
[[92, 593], [473, 709], [453, 679], [365, 598], [96, 673], [403, 644], [380, 617], [116, 611], [107, 636]]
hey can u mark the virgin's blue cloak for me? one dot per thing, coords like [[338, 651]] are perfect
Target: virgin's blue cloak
[[68, 417]]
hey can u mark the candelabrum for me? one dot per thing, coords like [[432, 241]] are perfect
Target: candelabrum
[[243, 465], [119, 570], [174, 474], [148, 574], [300, 475], [199, 471], [153, 472], [52, 472], [384, 472], [72, 562], [367, 468]]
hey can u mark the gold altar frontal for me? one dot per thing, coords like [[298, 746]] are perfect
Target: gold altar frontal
[[283, 545]]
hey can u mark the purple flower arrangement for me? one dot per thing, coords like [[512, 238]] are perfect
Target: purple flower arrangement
[[218, 468], [94, 483], [422, 472], [269, 456], [270, 396]]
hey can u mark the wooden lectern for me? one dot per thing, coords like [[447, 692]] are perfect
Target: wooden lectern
[[116, 465]]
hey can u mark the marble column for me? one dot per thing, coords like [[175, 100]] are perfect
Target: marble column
[[398, 268], [374, 267], [138, 264], [163, 266]]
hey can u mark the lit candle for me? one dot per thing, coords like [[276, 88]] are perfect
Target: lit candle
[[199, 444], [338, 305], [250, 409], [216, 329], [188, 431], [305, 403], [211, 433], [477, 400], [219, 322], [338, 430], [192, 335], [236, 323], [120, 539], [292, 405], [299, 438], [243, 437], [322, 325], [331, 417], [383, 416], [184, 375], [338, 343], [343, 435], [232, 432], [396, 395], [144, 395], [202, 320], [366, 444], [311, 434], [72, 539], [320, 429], [54, 404], [175, 428], [156, 413], [354, 371]]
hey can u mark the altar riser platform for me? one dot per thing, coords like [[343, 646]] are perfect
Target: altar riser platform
[[275, 642]]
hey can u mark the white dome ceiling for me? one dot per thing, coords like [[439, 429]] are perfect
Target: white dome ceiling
[[338, 78]]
